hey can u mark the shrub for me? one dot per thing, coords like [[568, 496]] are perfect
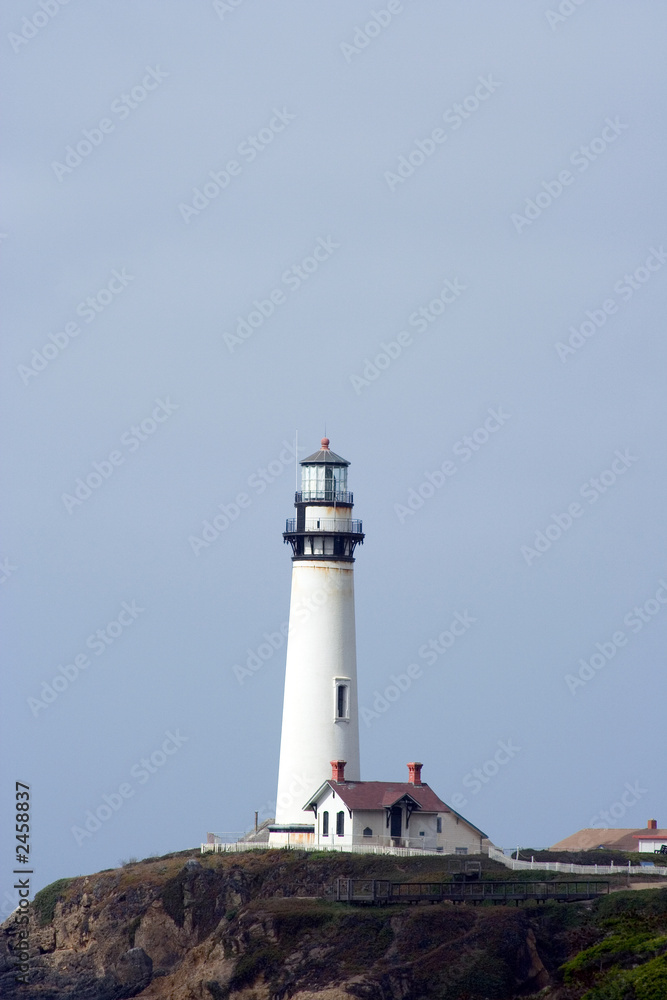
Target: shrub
[[260, 958], [132, 929], [172, 899], [45, 900]]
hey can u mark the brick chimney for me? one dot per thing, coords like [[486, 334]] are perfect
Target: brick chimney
[[652, 824], [338, 770], [415, 773]]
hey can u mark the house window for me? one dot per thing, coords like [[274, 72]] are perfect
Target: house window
[[368, 832], [340, 823], [325, 824], [461, 850], [421, 833], [342, 706], [438, 825]]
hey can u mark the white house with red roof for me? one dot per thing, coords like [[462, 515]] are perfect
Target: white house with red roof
[[388, 814]]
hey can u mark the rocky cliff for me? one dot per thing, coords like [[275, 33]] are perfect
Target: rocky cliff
[[261, 925]]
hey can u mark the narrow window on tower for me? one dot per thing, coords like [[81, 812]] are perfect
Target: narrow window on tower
[[340, 823], [325, 824], [342, 705]]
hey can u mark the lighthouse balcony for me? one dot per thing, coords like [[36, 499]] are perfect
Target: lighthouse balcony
[[312, 543], [344, 524], [324, 495]]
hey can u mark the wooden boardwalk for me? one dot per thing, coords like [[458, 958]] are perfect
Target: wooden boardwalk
[[379, 892]]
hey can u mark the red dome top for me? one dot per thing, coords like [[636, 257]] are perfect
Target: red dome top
[[325, 444]]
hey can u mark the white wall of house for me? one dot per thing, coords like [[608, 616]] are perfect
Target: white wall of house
[[333, 804], [456, 835], [649, 846], [370, 819]]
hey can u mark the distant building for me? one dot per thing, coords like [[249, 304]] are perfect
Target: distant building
[[647, 839], [388, 813]]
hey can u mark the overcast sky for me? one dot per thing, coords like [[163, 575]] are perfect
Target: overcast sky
[[437, 227]]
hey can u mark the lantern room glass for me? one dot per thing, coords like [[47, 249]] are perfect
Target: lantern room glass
[[323, 482]]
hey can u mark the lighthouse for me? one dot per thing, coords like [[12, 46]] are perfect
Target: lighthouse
[[320, 709]]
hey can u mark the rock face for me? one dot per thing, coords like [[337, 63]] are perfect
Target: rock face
[[240, 926]]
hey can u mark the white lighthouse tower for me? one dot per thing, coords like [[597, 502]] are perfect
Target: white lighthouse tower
[[320, 713]]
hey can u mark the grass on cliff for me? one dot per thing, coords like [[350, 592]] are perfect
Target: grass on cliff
[[44, 903], [354, 939], [630, 960]]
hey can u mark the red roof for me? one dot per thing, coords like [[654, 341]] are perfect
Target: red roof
[[651, 835], [384, 794]]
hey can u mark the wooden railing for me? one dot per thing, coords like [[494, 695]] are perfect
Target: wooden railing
[[378, 891]]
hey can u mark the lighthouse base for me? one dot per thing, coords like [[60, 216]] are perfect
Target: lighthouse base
[[290, 834]]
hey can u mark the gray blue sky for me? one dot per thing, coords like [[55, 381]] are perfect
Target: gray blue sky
[[498, 166]]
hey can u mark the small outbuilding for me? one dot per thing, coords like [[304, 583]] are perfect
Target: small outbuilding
[[646, 840], [389, 814]]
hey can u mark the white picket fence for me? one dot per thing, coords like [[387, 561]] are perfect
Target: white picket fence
[[405, 852], [558, 866]]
